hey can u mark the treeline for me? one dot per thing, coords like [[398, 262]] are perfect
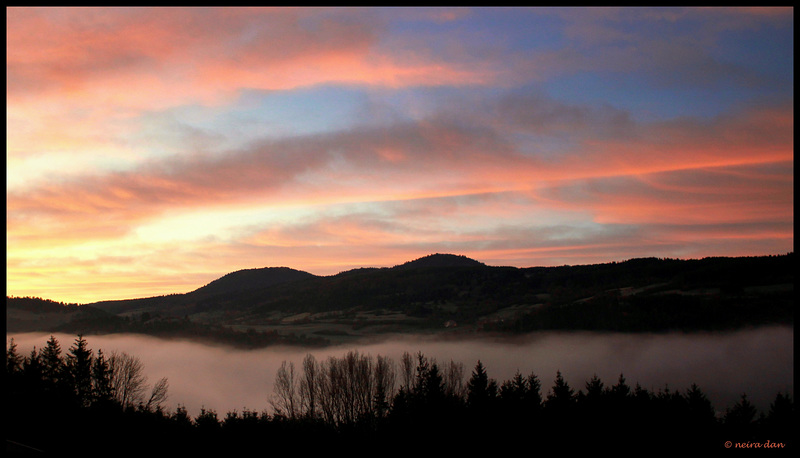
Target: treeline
[[86, 320], [38, 304], [434, 403], [93, 404], [52, 395]]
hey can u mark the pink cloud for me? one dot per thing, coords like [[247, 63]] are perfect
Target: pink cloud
[[156, 57]]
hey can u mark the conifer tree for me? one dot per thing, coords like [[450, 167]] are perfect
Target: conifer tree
[[781, 410], [103, 391], [741, 416], [780, 418], [33, 363], [595, 390], [533, 395], [620, 391], [562, 396], [79, 365], [701, 411], [433, 388], [13, 359], [480, 389], [33, 372], [53, 366], [513, 391], [512, 401]]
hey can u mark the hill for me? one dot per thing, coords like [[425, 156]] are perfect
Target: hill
[[251, 279], [441, 260], [450, 294]]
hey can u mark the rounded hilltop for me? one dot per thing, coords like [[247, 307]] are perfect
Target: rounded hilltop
[[252, 279], [441, 260]]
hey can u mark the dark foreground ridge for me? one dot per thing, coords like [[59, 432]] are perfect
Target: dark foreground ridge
[[76, 403], [442, 294]]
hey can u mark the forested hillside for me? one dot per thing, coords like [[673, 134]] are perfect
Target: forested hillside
[[444, 294]]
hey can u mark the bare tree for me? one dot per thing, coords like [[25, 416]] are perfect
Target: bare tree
[[330, 390], [336, 391], [407, 371], [360, 385], [308, 386], [385, 377], [454, 380], [285, 398], [127, 379], [340, 390], [158, 395], [129, 383]]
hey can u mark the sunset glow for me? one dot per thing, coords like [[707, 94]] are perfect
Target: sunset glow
[[152, 150]]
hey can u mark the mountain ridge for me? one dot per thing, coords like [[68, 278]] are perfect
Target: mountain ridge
[[639, 294]]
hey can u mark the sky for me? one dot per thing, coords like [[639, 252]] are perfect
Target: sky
[[152, 150]]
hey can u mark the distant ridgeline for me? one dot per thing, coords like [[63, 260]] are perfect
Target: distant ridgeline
[[256, 307]]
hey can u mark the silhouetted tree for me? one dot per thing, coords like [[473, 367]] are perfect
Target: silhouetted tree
[[32, 371], [158, 395], [620, 391], [779, 422], [79, 367], [518, 406], [429, 388], [308, 386], [127, 379], [781, 410], [407, 371], [454, 380], [740, 419], [181, 417], [103, 391], [285, 398], [595, 390], [13, 359], [512, 392], [561, 397], [701, 411], [533, 396], [207, 421], [593, 406], [384, 382], [481, 390], [53, 366]]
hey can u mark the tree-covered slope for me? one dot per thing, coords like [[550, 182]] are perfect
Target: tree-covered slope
[[638, 295]]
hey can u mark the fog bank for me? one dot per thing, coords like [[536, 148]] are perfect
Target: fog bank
[[758, 362]]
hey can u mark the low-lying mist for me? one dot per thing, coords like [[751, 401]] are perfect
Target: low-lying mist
[[758, 362]]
